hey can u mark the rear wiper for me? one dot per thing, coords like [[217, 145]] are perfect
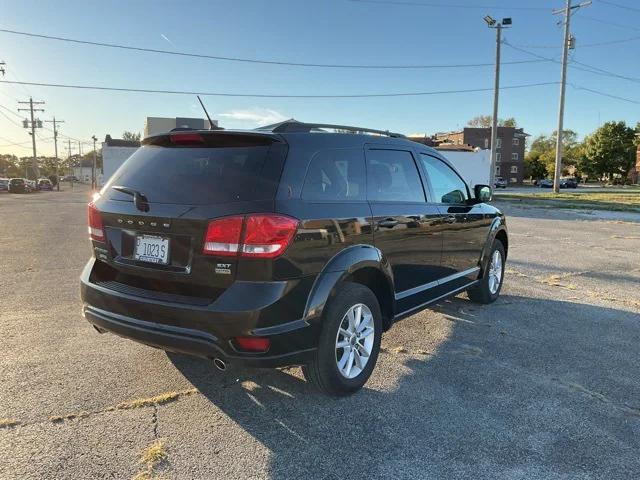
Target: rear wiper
[[139, 200]]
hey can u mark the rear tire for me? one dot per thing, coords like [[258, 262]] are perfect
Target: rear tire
[[488, 288], [348, 320]]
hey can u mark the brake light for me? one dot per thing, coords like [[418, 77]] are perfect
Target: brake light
[[253, 344], [223, 236], [95, 228], [257, 235], [186, 138], [267, 236]]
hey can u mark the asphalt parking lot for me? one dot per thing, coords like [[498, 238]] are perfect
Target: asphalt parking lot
[[543, 384]]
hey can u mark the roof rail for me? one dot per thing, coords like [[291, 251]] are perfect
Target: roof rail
[[293, 126]]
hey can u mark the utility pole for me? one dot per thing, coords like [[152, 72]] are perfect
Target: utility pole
[[55, 143], [95, 163], [567, 41], [34, 123], [498, 26]]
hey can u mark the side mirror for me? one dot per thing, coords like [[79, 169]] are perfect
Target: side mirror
[[483, 193]]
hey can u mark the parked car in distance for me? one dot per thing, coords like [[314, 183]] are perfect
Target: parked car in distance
[[45, 184], [31, 185], [500, 183], [18, 185], [545, 183], [310, 246], [4, 184], [568, 183], [69, 178]]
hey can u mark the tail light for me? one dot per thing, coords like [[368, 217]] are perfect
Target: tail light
[[223, 236], [253, 344], [267, 236], [257, 236], [186, 138], [96, 230]]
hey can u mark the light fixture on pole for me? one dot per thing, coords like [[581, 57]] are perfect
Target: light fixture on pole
[[498, 26]]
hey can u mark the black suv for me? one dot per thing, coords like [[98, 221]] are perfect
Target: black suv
[[286, 245]]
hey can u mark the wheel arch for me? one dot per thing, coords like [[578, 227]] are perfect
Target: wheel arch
[[498, 231], [362, 264]]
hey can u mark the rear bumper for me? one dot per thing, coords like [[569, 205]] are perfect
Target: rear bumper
[[207, 331]]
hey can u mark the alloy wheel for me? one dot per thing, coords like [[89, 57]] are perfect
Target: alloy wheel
[[354, 340], [495, 272]]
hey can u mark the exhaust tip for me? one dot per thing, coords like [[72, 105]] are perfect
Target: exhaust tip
[[220, 365]]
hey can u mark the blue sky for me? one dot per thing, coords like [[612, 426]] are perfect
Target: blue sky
[[330, 31]]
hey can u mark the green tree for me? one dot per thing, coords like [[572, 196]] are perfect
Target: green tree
[[610, 150], [131, 136], [544, 146], [484, 121], [8, 165], [534, 166]]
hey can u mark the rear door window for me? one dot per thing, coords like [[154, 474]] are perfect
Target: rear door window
[[446, 185], [335, 175], [196, 176], [392, 176]]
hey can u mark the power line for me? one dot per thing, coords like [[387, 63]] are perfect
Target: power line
[[607, 22], [601, 71], [604, 94], [44, 126], [14, 144], [626, 7], [449, 5], [10, 119], [252, 60], [11, 111], [584, 66], [260, 95], [587, 45]]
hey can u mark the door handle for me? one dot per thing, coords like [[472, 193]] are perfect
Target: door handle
[[450, 219], [388, 223]]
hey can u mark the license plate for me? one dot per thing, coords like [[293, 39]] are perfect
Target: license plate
[[152, 249]]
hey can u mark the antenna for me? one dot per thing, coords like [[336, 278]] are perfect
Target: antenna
[[211, 127]]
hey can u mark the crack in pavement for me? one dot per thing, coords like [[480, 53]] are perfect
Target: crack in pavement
[[154, 402]]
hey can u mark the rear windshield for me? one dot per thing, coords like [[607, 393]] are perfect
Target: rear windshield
[[196, 176], [17, 181]]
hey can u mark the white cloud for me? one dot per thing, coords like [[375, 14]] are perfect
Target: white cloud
[[254, 117]]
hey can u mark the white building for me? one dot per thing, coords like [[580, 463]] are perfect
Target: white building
[[83, 171], [114, 153], [157, 125], [474, 165]]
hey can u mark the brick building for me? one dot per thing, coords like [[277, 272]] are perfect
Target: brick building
[[634, 173], [509, 150]]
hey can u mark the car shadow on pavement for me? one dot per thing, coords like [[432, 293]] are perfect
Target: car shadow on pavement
[[525, 388]]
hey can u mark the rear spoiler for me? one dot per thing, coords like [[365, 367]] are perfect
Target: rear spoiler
[[212, 139]]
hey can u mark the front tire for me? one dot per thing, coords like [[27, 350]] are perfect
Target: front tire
[[489, 286], [349, 342]]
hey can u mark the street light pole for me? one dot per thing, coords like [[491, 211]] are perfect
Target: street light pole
[[95, 162], [498, 26], [494, 118]]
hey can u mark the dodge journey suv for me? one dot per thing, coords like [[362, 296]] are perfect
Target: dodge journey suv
[[286, 245]]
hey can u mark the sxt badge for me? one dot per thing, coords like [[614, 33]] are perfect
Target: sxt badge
[[224, 268]]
